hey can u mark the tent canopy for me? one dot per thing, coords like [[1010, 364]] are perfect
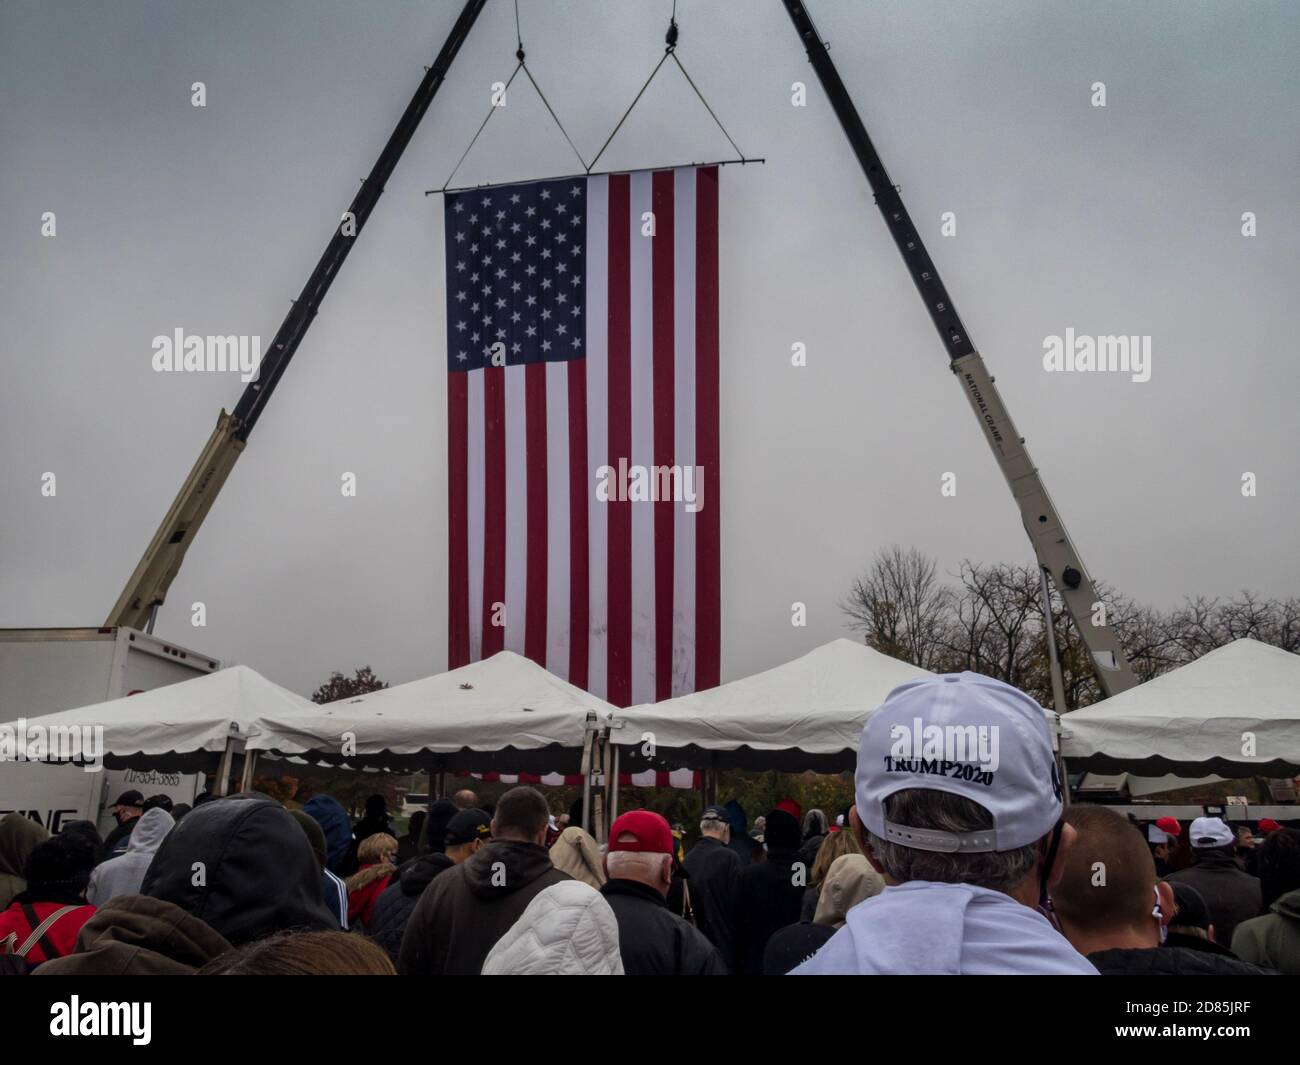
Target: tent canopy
[[1197, 719], [805, 714], [179, 726], [505, 712]]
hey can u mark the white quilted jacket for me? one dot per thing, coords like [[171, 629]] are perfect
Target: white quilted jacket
[[567, 930]]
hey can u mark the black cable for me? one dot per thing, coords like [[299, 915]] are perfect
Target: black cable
[[554, 115], [706, 104], [629, 110], [481, 128]]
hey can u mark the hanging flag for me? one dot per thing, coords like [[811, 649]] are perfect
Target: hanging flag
[[582, 416]]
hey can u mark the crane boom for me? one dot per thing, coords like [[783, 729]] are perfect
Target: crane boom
[[1056, 554], [153, 575]]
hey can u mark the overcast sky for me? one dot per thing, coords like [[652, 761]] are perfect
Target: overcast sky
[[1117, 220]]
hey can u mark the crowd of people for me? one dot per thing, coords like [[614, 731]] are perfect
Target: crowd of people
[[937, 867]]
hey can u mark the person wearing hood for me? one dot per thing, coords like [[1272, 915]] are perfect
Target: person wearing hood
[[136, 935], [234, 870], [125, 874], [42, 921], [126, 812], [713, 869], [1119, 921], [258, 873], [1231, 894], [653, 940], [849, 880], [463, 913], [567, 930], [376, 854], [466, 833], [747, 849], [1274, 939], [969, 842], [333, 891], [19, 836], [578, 854], [328, 812], [769, 894], [815, 827]]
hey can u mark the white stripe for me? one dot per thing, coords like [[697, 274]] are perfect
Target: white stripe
[[597, 286], [516, 508], [684, 427], [643, 532], [474, 478], [557, 518]]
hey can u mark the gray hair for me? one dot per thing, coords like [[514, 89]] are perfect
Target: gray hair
[[940, 810], [711, 826], [636, 865]]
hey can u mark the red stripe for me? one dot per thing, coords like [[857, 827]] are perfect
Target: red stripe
[[535, 438], [665, 354], [708, 595], [494, 508], [619, 683], [579, 575], [458, 650]]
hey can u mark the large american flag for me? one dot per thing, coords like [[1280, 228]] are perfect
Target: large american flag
[[582, 332]]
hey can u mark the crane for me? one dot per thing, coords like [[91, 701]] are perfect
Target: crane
[[1056, 554], [138, 604]]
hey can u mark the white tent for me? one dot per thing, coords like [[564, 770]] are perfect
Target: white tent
[[805, 714], [1234, 712], [505, 712], [178, 726]]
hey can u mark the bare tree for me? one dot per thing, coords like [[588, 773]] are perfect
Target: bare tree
[[901, 607], [992, 622]]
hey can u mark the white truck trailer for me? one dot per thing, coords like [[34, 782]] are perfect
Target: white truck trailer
[[43, 671]]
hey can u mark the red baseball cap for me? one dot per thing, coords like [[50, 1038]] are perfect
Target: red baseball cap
[[1267, 825], [1169, 825], [648, 832]]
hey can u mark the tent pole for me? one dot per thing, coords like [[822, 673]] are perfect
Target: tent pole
[[223, 767], [613, 802], [250, 766], [1058, 681], [586, 780]]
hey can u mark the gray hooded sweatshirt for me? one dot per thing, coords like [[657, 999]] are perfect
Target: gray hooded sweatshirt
[[125, 874]]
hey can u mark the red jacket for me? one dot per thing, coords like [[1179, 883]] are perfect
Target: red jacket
[[367, 884], [62, 934]]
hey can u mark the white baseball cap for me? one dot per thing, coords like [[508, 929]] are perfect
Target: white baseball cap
[[1011, 771], [1156, 834], [1210, 832]]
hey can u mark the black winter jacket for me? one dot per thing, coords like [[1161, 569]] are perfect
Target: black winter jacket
[[714, 872], [1170, 961], [465, 910], [1231, 895], [654, 941], [395, 905], [769, 898]]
